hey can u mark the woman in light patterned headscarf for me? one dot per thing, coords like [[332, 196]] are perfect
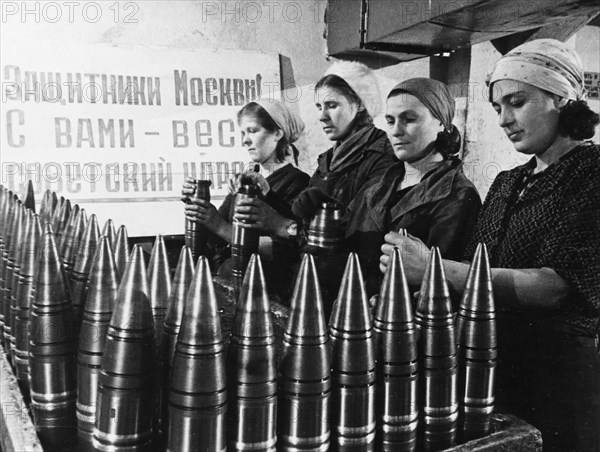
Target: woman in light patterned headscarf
[[541, 225], [268, 129]]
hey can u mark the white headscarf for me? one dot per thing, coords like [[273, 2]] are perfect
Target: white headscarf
[[290, 124], [547, 64]]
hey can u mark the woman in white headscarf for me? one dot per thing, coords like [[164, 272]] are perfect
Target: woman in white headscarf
[[269, 129], [541, 225], [347, 98]]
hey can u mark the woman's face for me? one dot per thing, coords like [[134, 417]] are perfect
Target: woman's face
[[528, 115], [260, 143], [336, 113], [411, 128]]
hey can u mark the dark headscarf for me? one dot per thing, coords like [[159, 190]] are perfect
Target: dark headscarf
[[433, 94]]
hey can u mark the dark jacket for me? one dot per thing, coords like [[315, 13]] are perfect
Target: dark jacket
[[441, 210], [343, 172], [364, 163], [548, 364], [280, 259]]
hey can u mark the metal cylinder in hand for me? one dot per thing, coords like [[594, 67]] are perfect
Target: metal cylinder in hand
[[196, 234], [326, 229], [244, 241]]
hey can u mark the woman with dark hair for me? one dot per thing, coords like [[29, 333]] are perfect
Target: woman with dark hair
[[269, 129], [541, 225], [434, 202], [347, 98]]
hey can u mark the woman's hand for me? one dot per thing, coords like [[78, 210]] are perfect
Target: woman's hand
[[188, 189], [254, 178], [415, 255], [310, 200], [204, 213], [254, 213], [248, 178]]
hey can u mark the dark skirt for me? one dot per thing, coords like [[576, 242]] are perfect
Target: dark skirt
[[549, 375]]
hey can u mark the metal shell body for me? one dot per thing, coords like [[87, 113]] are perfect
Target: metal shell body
[[196, 235], [13, 244], [352, 362], [326, 229], [244, 242], [7, 226], [305, 368], [252, 370], [477, 348], [80, 275], [176, 308], [23, 299], [71, 240], [198, 395], [159, 281], [396, 345], [3, 221], [97, 312], [52, 346], [121, 249], [125, 398], [439, 362], [11, 300]]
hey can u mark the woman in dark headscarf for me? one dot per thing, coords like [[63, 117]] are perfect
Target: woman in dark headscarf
[[541, 225], [434, 202]]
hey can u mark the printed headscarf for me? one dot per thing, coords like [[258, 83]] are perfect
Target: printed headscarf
[[433, 94], [547, 64], [290, 124]]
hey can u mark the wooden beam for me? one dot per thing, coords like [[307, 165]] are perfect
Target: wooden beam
[[564, 29], [17, 433]]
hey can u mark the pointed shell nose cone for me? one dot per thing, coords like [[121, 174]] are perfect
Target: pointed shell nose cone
[[63, 217], [253, 317], [306, 356], [32, 241], [351, 309], [104, 280], [4, 206], [53, 205], [15, 230], [181, 285], [45, 205], [51, 286], [395, 304], [177, 300], [307, 318], [87, 247], [121, 249], [201, 322], [29, 202], [110, 232], [73, 238], [159, 275], [478, 296], [25, 223], [476, 319], [434, 298], [132, 311], [68, 233], [159, 283]]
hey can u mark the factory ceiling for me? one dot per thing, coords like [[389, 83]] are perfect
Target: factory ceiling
[[384, 32]]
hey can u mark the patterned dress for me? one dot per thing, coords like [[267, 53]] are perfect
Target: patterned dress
[[549, 366]]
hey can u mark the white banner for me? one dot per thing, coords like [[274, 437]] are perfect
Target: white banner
[[115, 129]]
